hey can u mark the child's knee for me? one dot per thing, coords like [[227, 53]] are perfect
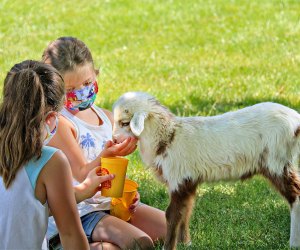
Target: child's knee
[[141, 243]]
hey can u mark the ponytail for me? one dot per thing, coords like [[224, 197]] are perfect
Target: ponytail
[[31, 89]]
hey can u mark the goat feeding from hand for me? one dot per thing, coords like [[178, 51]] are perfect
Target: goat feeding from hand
[[187, 151]]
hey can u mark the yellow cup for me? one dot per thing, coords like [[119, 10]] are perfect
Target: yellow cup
[[120, 206], [118, 167]]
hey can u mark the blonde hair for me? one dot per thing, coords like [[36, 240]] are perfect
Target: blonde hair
[[31, 89]]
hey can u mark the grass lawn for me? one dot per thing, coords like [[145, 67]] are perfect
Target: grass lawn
[[198, 58]]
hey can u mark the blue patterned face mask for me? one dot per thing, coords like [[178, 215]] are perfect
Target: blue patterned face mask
[[50, 134], [81, 99]]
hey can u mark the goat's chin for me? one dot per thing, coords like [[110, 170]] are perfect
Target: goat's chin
[[120, 138]]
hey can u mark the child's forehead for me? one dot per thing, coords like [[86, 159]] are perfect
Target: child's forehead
[[79, 75]]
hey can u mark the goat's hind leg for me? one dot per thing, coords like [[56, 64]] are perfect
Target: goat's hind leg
[[288, 184], [295, 211], [295, 224]]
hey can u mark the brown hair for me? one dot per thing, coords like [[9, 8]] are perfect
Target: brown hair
[[31, 89], [66, 53]]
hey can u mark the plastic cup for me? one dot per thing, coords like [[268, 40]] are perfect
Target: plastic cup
[[118, 167], [120, 206]]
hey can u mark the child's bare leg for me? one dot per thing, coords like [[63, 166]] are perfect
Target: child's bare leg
[[120, 233], [150, 220], [103, 246]]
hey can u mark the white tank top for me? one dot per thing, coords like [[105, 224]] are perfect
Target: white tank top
[[23, 218]]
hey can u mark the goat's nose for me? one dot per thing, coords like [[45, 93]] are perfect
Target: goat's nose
[[114, 139]]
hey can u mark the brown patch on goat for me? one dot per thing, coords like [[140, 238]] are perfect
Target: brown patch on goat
[[179, 212], [297, 132], [159, 173], [163, 144], [247, 176], [161, 147], [262, 161], [288, 183]]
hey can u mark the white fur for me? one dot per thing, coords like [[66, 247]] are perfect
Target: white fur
[[221, 147]]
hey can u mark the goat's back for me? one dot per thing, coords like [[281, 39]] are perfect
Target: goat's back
[[229, 145]]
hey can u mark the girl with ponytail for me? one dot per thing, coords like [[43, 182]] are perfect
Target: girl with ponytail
[[35, 178]]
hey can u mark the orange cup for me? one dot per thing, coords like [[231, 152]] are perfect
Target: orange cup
[[120, 206], [118, 167]]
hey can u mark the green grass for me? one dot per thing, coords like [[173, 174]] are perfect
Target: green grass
[[198, 58]]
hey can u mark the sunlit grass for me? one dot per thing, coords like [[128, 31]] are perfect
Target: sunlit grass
[[198, 58]]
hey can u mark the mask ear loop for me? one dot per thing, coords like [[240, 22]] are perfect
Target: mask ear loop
[[49, 132], [56, 125]]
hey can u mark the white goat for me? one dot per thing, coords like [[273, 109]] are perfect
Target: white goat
[[186, 151]]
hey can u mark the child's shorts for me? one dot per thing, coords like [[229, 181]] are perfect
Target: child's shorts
[[89, 222]]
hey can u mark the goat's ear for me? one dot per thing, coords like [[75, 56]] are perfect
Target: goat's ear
[[137, 123]]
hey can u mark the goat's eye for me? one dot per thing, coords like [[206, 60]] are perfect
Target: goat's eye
[[125, 124]]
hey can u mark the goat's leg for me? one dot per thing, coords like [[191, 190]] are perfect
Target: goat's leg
[[184, 232], [295, 224], [173, 216], [288, 184], [178, 214]]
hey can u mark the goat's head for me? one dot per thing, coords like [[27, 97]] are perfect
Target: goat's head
[[130, 112]]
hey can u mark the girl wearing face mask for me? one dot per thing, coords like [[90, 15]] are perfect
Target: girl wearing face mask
[[84, 134], [33, 177]]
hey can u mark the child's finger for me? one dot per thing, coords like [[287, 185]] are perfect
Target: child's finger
[[108, 144], [107, 177], [130, 147], [121, 146]]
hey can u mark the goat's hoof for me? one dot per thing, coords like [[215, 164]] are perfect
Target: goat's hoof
[[168, 248], [294, 246], [294, 243], [188, 244]]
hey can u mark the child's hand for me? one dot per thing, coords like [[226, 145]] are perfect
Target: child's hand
[[135, 203], [124, 148], [92, 183]]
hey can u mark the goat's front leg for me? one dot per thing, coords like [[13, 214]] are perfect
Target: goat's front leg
[[188, 204], [178, 214]]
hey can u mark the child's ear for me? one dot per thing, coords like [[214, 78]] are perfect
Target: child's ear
[[137, 123], [97, 71]]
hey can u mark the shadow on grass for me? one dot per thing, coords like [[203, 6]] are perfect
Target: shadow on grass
[[241, 215], [233, 215]]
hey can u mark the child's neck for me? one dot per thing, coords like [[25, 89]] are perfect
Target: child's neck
[[89, 116]]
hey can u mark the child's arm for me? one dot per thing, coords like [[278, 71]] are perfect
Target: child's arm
[[65, 139], [57, 179]]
